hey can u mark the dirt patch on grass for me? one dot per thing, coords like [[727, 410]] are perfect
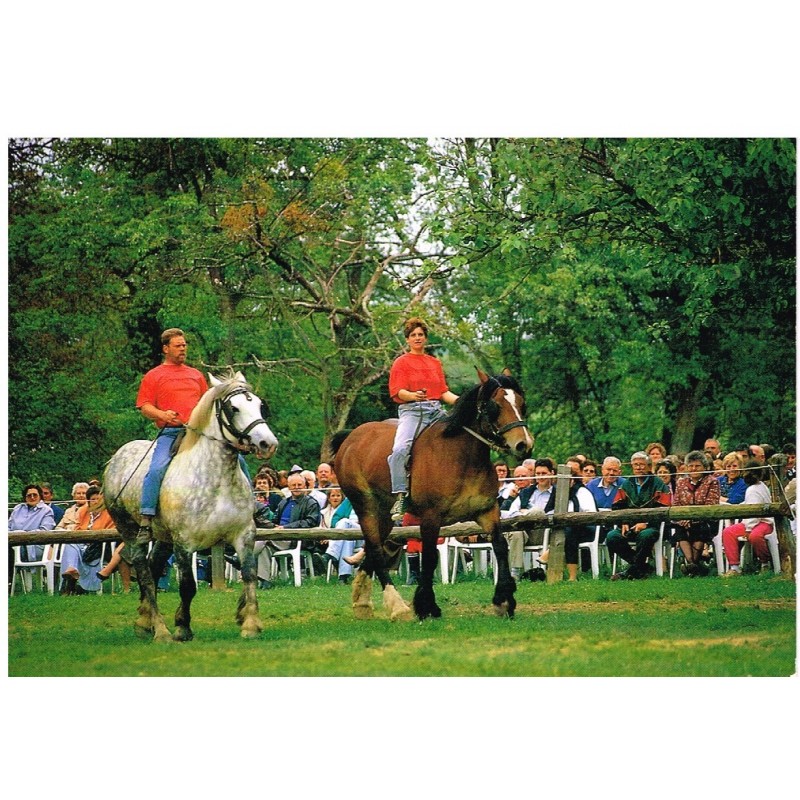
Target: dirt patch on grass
[[620, 606]]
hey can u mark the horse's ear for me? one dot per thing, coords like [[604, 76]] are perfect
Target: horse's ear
[[482, 375], [507, 372], [239, 377], [213, 381]]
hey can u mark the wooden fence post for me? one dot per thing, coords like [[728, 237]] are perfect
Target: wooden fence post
[[217, 567], [555, 563], [787, 547]]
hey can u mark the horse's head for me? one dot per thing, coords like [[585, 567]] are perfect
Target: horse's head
[[240, 414], [501, 413]]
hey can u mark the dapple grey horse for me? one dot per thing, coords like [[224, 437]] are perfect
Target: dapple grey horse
[[205, 499]]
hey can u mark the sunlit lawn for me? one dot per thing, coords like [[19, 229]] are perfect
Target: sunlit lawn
[[657, 627]]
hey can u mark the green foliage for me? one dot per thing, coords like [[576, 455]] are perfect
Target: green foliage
[[640, 289]]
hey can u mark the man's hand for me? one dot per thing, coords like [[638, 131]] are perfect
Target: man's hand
[[171, 417]]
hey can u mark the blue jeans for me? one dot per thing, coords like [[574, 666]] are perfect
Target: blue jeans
[[414, 417], [339, 548], [151, 486]]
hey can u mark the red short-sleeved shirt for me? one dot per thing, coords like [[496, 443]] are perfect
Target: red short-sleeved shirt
[[172, 386], [414, 372]]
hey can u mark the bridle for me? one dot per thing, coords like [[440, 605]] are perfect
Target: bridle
[[488, 411], [225, 414]]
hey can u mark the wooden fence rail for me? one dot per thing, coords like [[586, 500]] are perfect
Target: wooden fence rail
[[535, 520]]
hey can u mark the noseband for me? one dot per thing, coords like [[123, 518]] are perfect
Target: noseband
[[225, 413]]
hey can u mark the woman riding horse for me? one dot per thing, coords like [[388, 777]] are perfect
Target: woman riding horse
[[417, 384], [451, 480]]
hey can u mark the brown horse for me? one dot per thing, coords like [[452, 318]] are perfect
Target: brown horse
[[451, 480]]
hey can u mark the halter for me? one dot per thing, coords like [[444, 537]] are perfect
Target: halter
[[225, 413], [485, 419]]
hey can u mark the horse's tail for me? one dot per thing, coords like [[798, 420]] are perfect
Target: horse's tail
[[337, 439]]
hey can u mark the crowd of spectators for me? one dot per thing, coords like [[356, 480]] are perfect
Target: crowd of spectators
[[302, 498]]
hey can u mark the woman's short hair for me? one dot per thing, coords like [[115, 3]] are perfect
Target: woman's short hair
[[731, 459], [412, 324], [699, 455]]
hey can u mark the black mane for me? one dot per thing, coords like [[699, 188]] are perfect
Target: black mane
[[465, 412]]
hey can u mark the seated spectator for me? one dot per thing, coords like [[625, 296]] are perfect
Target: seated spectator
[[300, 510], [339, 514], [753, 529], [324, 476], [604, 489], [70, 518], [656, 451], [731, 484], [32, 514], [519, 492], [47, 496], [696, 488], [524, 497], [712, 449], [588, 471], [80, 563], [667, 472], [756, 451], [642, 490], [264, 512], [311, 484], [580, 499], [283, 482], [117, 563], [503, 485], [790, 452]]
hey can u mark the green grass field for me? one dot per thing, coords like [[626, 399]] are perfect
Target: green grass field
[[657, 627]]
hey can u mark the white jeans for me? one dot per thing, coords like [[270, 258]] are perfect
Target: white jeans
[[414, 417]]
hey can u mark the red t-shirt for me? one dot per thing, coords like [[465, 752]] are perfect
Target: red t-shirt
[[172, 386], [412, 373]]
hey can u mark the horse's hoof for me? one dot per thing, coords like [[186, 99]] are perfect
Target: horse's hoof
[[142, 632], [182, 635], [162, 636], [503, 609], [251, 629], [402, 615], [362, 611], [399, 610]]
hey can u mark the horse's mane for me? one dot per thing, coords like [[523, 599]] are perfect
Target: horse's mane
[[465, 411], [201, 416]]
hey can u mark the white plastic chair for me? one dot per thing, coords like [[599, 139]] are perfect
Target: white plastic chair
[[45, 566], [537, 549], [296, 554], [593, 547], [482, 555]]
